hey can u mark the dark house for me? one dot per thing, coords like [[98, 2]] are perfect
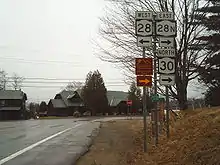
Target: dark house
[[117, 101], [65, 103], [12, 104]]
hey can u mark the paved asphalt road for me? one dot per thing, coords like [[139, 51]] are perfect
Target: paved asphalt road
[[47, 142], [43, 141]]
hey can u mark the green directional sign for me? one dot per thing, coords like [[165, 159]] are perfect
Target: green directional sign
[[155, 98]]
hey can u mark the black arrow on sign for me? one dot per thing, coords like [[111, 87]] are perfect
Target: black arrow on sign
[[142, 41], [168, 79], [166, 42]]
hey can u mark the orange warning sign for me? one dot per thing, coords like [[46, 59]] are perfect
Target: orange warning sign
[[144, 66], [144, 81]]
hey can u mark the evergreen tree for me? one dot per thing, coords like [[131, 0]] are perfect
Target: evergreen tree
[[94, 93], [43, 107], [210, 73], [134, 94]]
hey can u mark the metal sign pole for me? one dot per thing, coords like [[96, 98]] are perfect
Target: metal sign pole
[[155, 80], [167, 112], [128, 111], [144, 111]]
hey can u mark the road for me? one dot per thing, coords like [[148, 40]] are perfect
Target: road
[[44, 142]]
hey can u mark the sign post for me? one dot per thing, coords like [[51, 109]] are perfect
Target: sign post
[[144, 66], [166, 29], [167, 112], [151, 29], [156, 116], [129, 104], [144, 112]]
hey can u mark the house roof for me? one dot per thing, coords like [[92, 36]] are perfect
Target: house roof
[[115, 97], [12, 95], [58, 103], [68, 96], [10, 108]]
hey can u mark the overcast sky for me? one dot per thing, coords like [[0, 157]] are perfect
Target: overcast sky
[[53, 39]]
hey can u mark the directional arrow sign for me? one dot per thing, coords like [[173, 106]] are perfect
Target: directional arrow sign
[[167, 80], [144, 41], [144, 81], [166, 41], [165, 52]]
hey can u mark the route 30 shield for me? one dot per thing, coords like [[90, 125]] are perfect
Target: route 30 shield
[[166, 65]]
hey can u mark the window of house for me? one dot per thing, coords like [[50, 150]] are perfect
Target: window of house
[[2, 102]]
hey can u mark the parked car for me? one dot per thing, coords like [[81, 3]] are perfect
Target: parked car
[[87, 113], [76, 114]]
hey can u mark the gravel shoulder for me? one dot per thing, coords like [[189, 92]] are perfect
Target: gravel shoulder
[[113, 145]]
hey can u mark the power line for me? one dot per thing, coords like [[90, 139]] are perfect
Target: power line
[[48, 61], [53, 79], [58, 82], [36, 86], [40, 61]]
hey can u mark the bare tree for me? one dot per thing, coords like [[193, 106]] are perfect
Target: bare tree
[[3, 80], [117, 42], [73, 86], [17, 81]]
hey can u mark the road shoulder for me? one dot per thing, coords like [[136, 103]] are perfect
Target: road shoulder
[[113, 145]]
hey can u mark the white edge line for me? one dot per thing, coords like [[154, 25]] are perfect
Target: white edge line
[[6, 159]]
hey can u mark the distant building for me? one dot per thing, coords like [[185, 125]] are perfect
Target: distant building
[[117, 101], [65, 103], [12, 104]]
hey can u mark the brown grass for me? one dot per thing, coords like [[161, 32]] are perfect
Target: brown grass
[[195, 139]]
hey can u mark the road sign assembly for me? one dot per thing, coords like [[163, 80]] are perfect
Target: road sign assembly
[[165, 52], [166, 41], [166, 65], [152, 30], [144, 81], [167, 80], [144, 41], [144, 66]]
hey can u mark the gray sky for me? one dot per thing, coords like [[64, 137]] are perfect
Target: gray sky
[[53, 39], [34, 33]]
